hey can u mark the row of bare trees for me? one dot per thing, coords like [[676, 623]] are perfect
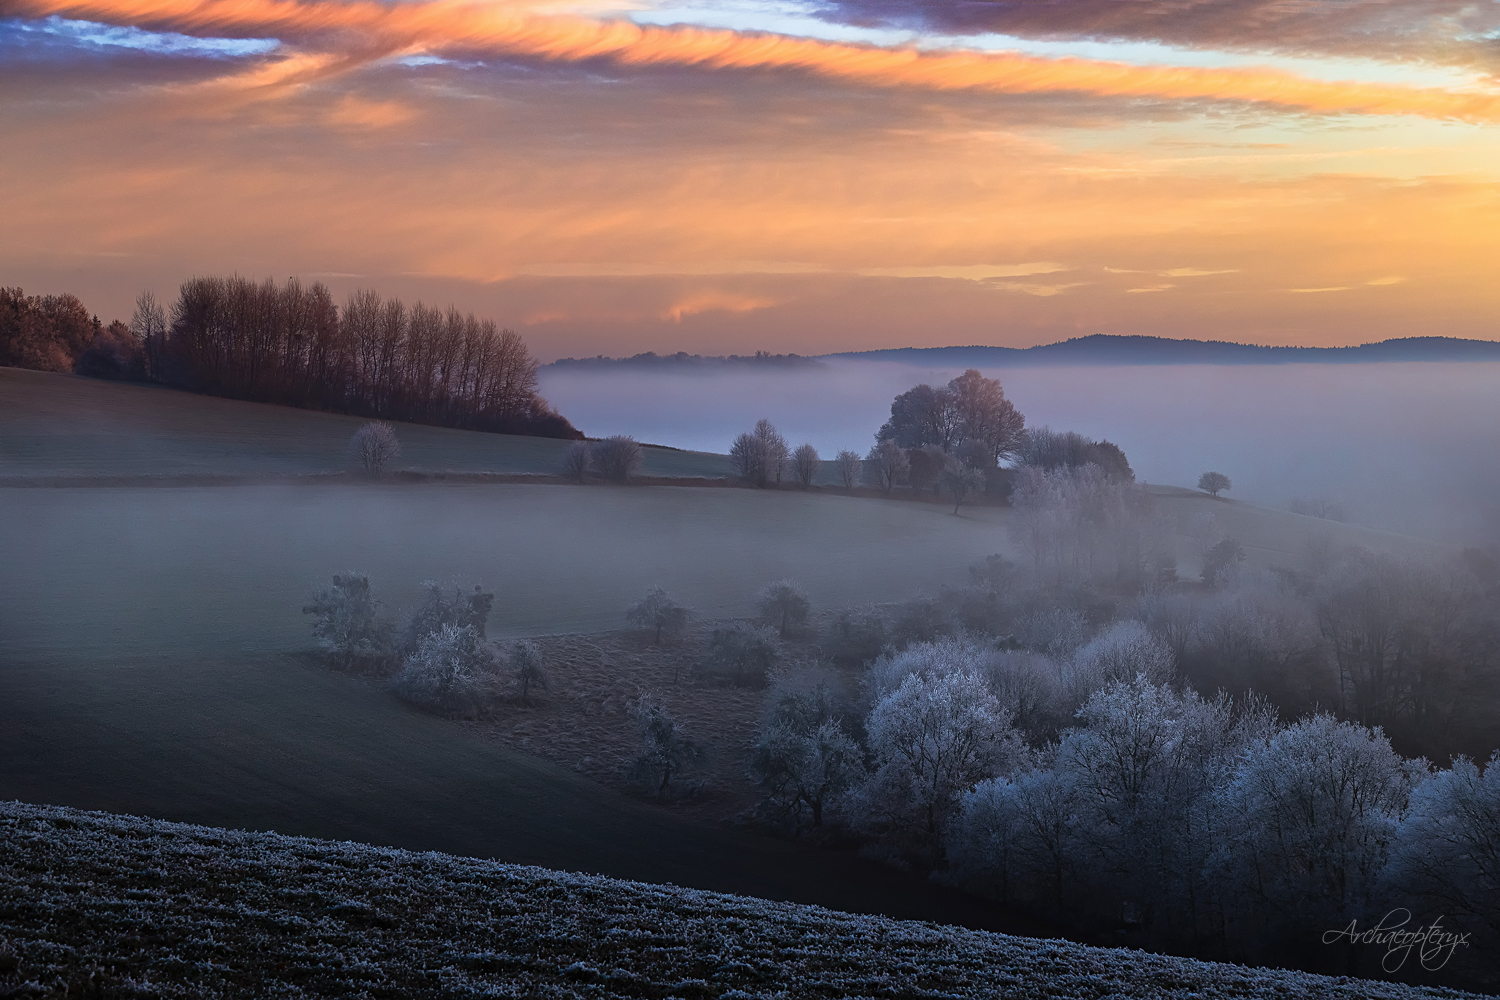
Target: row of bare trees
[[289, 343]]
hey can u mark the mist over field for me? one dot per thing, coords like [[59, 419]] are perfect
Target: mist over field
[[1405, 447]]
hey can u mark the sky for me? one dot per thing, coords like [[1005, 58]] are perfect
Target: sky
[[724, 176]]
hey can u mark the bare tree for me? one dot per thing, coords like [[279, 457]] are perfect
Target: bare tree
[[777, 455], [805, 464], [149, 324], [849, 466], [741, 654], [575, 463], [784, 605], [617, 458], [526, 664], [888, 466], [658, 613], [375, 446], [1213, 482]]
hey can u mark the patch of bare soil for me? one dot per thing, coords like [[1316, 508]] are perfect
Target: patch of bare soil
[[586, 720]]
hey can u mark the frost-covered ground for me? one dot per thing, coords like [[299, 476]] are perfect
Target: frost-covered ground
[[103, 905]]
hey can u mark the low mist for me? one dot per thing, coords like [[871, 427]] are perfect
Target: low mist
[[1412, 447]]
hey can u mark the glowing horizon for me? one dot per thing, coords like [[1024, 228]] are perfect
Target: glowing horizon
[[609, 184]]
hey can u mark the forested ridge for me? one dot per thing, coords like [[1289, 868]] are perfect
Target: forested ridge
[[292, 344]]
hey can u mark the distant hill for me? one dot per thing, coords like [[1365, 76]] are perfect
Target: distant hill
[[1103, 349], [688, 362]]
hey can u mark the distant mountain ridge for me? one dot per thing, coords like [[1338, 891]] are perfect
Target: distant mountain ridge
[[1108, 349]]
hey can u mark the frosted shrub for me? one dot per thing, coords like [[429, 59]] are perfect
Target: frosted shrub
[[617, 458], [348, 625], [447, 606], [450, 671], [374, 446]]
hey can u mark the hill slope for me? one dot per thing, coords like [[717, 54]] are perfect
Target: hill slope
[[66, 426], [133, 907]]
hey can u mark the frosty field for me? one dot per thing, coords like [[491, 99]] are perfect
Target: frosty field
[[134, 907]]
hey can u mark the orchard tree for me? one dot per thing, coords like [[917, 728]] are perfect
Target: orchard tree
[[658, 614], [447, 672], [665, 751], [1213, 483], [526, 664], [784, 605]]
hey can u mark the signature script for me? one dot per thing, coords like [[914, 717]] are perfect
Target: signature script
[[1433, 944]]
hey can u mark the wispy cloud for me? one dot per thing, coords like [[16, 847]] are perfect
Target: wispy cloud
[[362, 31]]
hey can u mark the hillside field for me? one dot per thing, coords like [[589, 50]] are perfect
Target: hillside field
[[135, 908]]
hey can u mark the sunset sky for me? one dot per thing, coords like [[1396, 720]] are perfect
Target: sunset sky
[[612, 176]]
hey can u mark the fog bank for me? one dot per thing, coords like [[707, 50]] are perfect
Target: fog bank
[[1408, 447]]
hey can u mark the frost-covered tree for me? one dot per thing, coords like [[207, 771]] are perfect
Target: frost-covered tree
[[849, 466], [1447, 850], [887, 466], [1311, 814], [805, 465], [1120, 653], [665, 751], [658, 614], [527, 667], [616, 458], [374, 446], [741, 654], [803, 755], [1214, 483], [784, 605], [441, 606], [449, 671], [575, 461], [933, 740], [1019, 836], [348, 624]]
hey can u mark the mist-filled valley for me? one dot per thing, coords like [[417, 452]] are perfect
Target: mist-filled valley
[[978, 673], [1409, 448]]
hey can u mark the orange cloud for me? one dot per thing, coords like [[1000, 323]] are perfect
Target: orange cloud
[[714, 301], [367, 31]]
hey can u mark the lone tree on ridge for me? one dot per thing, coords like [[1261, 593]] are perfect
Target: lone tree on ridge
[[1213, 482]]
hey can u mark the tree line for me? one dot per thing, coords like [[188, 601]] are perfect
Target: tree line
[[292, 344]]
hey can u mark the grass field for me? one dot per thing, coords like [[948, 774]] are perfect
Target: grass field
[[67, 426], [109, 905]]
